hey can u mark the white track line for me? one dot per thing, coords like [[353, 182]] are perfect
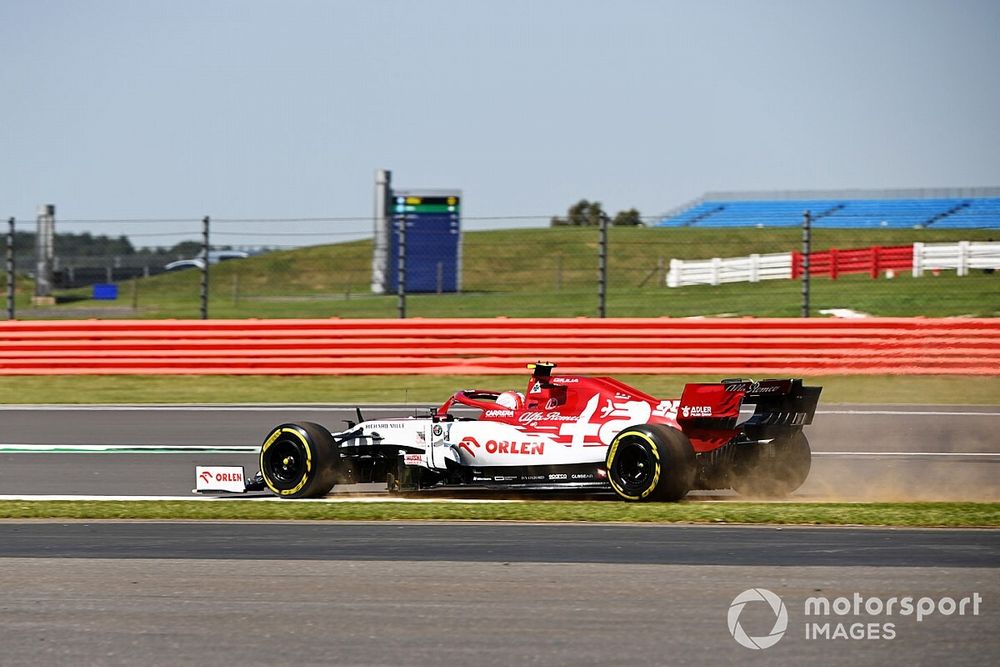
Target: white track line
[[414, 409], [18, 448], [907, 454], [328, 499], [921, 413]]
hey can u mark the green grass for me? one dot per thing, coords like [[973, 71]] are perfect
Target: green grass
[[433, 390], [959, 515], [548, 272]]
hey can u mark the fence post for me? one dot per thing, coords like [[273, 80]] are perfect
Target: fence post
[[602, 268], [676, 273], [10, 269], [963, 259], [45, 255], [204, 268], [806, 249], [401, 269]]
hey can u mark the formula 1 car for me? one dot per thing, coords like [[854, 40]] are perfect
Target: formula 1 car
[[564, 432]]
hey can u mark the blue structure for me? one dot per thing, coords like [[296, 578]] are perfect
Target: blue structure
[[433, 240], [976, 210], [105, 292]]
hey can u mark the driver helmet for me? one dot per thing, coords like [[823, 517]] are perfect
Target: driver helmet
[[512, 400]]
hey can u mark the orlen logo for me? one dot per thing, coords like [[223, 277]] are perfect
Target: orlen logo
[[780, 618], [221, 477], [502, 446]]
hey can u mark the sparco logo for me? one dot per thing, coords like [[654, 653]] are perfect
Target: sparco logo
[[780, 620]]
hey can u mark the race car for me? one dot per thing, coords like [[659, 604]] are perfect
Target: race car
[[563, 432]]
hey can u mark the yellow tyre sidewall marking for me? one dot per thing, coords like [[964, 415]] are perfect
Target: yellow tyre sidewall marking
[[656, 468], [305, 444]]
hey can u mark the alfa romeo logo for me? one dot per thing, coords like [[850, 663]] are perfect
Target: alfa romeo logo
[[780, 618]]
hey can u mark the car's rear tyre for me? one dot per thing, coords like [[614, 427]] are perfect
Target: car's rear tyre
[[651, 462], [299, 460], [773, 470]]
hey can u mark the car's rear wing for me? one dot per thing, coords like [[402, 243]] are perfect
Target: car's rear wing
[[737, 403]]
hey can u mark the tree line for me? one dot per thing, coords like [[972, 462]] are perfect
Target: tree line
[[86, 244], [591, 214]]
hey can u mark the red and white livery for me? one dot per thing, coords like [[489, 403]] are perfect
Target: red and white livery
[[563, 432]]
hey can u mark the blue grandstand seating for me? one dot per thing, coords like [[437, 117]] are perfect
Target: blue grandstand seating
[[939, 213]]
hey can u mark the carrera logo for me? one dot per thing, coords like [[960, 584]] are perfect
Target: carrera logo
[[696, 411], [502, 447], [498, 413]]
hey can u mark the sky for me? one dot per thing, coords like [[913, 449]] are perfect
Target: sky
[[263, 109]]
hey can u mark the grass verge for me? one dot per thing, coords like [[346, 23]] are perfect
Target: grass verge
[[939, 514], [433, 390], [548, 272]]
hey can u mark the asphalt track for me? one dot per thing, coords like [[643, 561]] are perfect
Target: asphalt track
[[487, 594], [507, 542], [862, 452]]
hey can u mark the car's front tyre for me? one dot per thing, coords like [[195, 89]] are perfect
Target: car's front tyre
[[299, 460]]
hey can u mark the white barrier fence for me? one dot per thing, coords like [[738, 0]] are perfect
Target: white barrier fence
[[960, 257], [718, 270]]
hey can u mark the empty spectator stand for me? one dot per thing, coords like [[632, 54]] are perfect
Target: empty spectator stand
[[968, 208]]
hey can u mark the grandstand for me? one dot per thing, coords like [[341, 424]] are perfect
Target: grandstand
[[957, 208]]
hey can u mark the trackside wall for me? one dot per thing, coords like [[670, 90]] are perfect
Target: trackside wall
[[734, 347]]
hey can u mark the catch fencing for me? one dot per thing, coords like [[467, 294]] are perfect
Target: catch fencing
[[514, 267], [727, 348]]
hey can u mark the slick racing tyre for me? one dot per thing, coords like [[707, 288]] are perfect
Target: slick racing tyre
[[299, 460], [773, 470], [651, 462]]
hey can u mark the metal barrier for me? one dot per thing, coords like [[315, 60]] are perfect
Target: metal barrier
[[734, 347]]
